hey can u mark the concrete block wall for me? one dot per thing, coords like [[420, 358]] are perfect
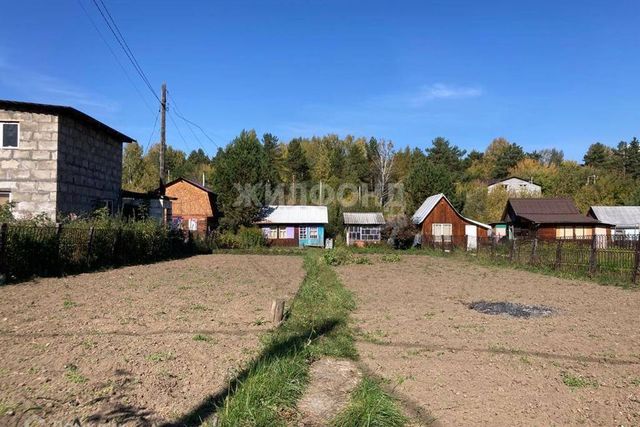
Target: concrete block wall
[[89, 167], [30, 170]]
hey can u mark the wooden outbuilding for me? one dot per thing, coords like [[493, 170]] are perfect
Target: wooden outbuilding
[[363, 228], [194, 205], [294, 225], [440, 222], [549, 219]]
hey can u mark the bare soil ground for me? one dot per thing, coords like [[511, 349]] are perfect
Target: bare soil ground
[[578, 366], [143, 344]]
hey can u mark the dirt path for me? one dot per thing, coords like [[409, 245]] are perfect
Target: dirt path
[[579, 366], [141, 344]]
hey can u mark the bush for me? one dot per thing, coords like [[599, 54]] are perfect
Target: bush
[[250, 237], [400, 232], [337, 256]]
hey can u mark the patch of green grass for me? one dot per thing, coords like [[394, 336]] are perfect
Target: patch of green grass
[[635, 381], [370, 406], [390, 258], [198, 307], [72, 373], [203, 337], [160, 357], [88, 343], [68, 304], [317, 326], [362, 260], [374, 337], [574, 381], [6, 407]]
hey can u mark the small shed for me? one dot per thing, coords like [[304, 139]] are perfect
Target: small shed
[[439, 222], [626, 219], [296, 225], [362, 228], [549, 219], [194, 205]]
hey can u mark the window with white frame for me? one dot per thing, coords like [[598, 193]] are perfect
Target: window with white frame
[[370, 233], [442, 231], [354, 232], [282, 232], [313, 232], [9, 134], [564, 232], [273, 233]]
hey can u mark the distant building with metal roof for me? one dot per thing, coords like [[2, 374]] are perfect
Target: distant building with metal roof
[[295, 225], [625, 218], [363, 228], [363, 218]]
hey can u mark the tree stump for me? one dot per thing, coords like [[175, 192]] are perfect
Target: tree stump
[[277, 310]]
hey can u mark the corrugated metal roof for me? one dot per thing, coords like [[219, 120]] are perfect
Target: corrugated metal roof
[[295, 214], [427, 206], [372, 218], [620, 216]]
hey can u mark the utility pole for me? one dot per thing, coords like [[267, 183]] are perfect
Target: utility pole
[[163, 130]]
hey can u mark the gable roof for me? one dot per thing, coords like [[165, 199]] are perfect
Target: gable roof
[[547, 211], [195, 184], [496, 181], [621, 216], [363, 218], [427, 206], [294, 214], [61, 110]]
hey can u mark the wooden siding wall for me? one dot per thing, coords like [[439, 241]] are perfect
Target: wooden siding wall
[[286, 242], [192, 202], [443, 213]]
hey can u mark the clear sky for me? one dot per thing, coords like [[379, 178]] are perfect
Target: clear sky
[[543, 74]]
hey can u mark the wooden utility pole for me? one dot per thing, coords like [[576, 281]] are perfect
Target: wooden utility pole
[[163, 130]]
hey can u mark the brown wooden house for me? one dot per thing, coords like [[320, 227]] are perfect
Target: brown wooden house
[[439, 222], [193, 207], [549, 219]]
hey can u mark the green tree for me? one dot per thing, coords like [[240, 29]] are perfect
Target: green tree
[[506, 159], [357, 169], [426, 179], [273, 158], [132, 167], [443, 153], [598, 155], [297, 162], [239, 180]]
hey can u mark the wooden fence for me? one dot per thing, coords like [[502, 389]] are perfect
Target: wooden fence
[[30, 250], [605, 256]]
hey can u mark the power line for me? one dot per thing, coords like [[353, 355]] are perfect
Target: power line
[[124, 70], [125, 47], [153, 131], [190, 122]]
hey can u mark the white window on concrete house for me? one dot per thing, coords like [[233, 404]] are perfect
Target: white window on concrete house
[[5, 197], [9, 134], [442, 231]]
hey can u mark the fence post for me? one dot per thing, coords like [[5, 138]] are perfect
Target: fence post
[[466, 242], [534, 251], [90, 244], [60, 266], [442, 242], [493, 248], [512, 250], [4, 274], [593, 256], [636, 269], [558, 262]]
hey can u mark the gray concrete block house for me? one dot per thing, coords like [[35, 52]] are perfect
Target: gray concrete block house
[[57, 160]]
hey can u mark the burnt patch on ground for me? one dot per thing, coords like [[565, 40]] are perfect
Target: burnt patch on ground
[[511, 309]]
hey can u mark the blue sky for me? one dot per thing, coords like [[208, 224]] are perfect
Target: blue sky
[[543, 74]]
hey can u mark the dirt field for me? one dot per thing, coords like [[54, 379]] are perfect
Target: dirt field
[[143, 343], [461, 367]]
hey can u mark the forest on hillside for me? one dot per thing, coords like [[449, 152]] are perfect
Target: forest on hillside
[[607, 175]]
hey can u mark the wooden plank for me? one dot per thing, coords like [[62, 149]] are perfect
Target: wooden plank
[[277, 310]]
